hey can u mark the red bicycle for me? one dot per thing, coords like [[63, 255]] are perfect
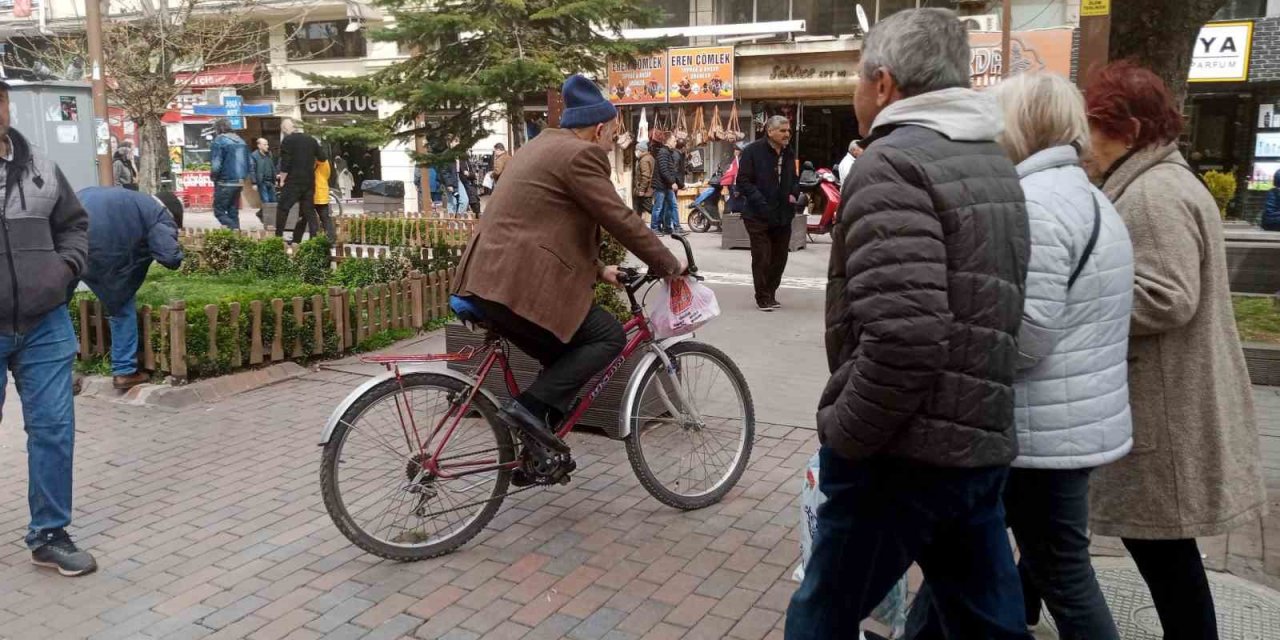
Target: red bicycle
[[416, 462]]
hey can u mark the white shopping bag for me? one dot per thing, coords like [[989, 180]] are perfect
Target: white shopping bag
[[681, 306], [488, 181], [642, 131], [891, 612]]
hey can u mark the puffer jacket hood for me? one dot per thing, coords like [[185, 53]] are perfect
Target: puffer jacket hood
[[1072, 389], [962, 115]]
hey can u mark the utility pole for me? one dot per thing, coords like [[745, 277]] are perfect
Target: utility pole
[[93, 20], [1006, 45], [1095, 38]]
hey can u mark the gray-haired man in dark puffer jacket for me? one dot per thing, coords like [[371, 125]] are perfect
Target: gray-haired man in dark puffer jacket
[[927, 273], [45, 242]]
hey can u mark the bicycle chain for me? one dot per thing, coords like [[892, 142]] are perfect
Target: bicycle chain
[[481, 502]]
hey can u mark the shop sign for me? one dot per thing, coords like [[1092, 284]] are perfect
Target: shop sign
[[639, 81], [700, 74], [319, 103], [1039, 50], [831, 74], [1221, 52], [1090, 8]]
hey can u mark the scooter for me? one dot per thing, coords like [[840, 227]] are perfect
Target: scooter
[[705, 210], [819, 198]]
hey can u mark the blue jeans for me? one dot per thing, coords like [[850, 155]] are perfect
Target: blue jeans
[[41, 361], [226, 205], [267, 192], [881, 515], [124, 339], [664, 217]]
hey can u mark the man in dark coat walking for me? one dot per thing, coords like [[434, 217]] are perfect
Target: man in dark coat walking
[[768, 184], [298, 155], [928, 265], [127, 230]]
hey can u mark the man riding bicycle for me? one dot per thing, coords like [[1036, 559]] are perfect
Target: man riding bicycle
[[529, 270]]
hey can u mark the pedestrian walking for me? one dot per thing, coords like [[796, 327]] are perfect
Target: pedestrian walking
[[768, 183], [229, 162], [46, 235], [924, 303], [666, 182], [127, 231], [644, 179], [299, 153], [469, 181], [262, 172], [846, 164], [680, 157], [1071, 390], [323, 212], [1195, 469], [123, 169], [500, 160]]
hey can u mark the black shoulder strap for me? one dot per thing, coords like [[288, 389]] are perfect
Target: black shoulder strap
[[1093, 242]]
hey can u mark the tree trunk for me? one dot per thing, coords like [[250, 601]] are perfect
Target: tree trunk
[[1160, 35], [153, 157]]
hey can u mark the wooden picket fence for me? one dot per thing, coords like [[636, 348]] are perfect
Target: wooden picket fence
[[353, 315]]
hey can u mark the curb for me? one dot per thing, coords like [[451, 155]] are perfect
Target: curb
[[200, 392]]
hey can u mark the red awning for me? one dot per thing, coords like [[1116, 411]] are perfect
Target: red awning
[[225, 76]]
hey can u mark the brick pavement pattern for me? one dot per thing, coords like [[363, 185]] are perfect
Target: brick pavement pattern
[[208, 523]]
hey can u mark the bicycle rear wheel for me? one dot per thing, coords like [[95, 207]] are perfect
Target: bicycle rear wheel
[[691, 431], [373, 479]]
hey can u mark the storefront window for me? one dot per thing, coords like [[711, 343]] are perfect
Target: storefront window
[[327, 40], [827, 17], [886, 8], [1241, 9]]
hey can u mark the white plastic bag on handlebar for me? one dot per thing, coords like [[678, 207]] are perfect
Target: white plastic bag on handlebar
[[682, 306]]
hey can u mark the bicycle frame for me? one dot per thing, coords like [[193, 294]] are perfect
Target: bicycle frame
[[494, 354]]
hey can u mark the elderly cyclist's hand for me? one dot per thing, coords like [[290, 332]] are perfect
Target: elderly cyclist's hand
[[609, 275]]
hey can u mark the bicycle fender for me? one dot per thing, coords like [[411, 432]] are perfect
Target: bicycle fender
[[633, 385], [336, 416]]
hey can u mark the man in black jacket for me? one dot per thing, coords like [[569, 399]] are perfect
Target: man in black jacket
[[925, 299], [298, 155], [767, 181]]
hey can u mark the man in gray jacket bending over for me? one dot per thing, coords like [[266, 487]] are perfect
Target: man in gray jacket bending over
[[45, 243]]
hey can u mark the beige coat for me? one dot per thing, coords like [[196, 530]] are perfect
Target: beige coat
[[1195, 468], [537, 248]]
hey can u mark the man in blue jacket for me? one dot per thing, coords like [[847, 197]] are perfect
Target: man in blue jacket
[[229, 158], [1271, 212], [127, 230]]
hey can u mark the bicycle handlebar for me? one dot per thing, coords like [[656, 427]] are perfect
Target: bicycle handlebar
[[630, 276]]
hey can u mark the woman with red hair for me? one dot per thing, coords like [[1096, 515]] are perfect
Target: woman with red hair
[[1194, 470]]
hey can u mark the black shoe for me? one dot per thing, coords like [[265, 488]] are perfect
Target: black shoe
[[765, 307], [774, 304], [523, 478], [59, 552], [525, 423]]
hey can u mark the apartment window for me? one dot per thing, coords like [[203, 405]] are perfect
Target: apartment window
[[748, 11], [324, 40], [1242, 9], [828, 17], [675, 13]]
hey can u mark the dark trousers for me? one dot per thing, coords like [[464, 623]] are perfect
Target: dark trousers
[[323, 212], [1174, 573], [1048, 511], [769, 249], [302, 194], [566, 368], [226, 205], [882, 515]]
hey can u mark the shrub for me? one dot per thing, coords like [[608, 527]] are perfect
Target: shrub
[[311, 261], [353, 273], [608, 297], [1223, 187], [223, 251], [268, 259]]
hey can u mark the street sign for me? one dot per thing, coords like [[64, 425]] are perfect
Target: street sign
[[1090, 8], [233, 105]]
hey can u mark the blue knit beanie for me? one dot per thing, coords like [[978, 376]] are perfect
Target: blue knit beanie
[[584, 104]]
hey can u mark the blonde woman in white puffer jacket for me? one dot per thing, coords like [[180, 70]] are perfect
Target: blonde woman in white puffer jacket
[[1071, 390]]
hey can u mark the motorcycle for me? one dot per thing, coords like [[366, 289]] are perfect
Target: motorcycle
[[705, 209], [819, 198]]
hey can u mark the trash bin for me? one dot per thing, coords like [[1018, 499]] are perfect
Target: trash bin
[[382, 196]]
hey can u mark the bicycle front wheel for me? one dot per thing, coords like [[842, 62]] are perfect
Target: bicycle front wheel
[[692, 429], [374, 472]]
